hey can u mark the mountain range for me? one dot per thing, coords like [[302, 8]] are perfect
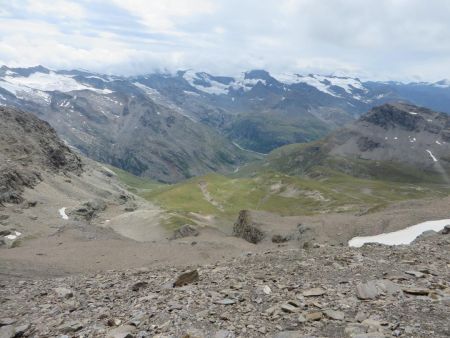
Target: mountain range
[[175, 126]]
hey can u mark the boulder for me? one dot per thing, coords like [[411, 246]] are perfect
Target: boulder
[[7, 331], [374, 288], [186, 278], [186, 230], [245, 228], [63, 292], [125, 331], [89, 210], [280, 239]]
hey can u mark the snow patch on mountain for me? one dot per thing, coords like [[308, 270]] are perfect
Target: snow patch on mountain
[[442, 84], [325, 84], [44, 82], [205, 83], [432, 156], [160, 99]]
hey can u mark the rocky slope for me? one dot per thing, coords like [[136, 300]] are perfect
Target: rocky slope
[[324, 291], [45, 187], [29, 147], [114, 121], [177, 114], [393, 141]]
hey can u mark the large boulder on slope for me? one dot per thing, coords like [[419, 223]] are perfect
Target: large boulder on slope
[[247, 229]]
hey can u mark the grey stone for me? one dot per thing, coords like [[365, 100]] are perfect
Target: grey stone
[[63, 292], [7, 331], [314, 292], [225, 301], [186, 230], [333, 314], [289, 308], [367, 290], [187, 278], [72, 326], [125, 331]]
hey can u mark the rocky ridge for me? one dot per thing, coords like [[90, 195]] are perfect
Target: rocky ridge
[[395, 141], [325, 291], [29, 147]]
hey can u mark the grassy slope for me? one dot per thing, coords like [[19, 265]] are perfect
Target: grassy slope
[[136, 184], [285, 195], [261, 186]]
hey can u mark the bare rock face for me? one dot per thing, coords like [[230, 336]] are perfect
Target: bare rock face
[[89, 210], [245, 228], [29, 147]]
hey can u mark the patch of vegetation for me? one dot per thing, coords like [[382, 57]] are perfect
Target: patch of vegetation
[[264, 132], [135, 184], [286, 195]]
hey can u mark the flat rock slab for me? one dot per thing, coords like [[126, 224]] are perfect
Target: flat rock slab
[[416, 291], [7, 331], [125, 331], [225, 301], [314, 292], [375, 288], [333, 314]]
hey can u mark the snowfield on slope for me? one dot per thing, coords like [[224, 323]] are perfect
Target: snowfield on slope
[[46, 82], [404, 236]]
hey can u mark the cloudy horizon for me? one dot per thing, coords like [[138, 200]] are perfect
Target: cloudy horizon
[[383, 40]]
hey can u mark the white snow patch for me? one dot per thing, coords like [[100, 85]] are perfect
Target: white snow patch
[[405, 236], [251, 151], [162, 100], [188, 92], [324, 83], [432, 156], [437, 142], [63, 214], [413, 113], [395, 138], [218, 88], [215, 87], [24, 93], [47, 83], [346, 83]]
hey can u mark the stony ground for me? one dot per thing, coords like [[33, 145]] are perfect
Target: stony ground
[[323, 291]]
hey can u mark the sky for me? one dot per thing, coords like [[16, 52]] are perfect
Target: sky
[[405, 40]]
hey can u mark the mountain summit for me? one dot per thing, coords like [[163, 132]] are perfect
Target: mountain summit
[[394, 141]]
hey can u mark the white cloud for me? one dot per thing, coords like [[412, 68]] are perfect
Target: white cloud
[[391, 39], [162, 16], [62, 9]]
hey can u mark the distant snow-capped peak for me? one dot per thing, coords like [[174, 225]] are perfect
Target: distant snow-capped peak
[[39, 80]]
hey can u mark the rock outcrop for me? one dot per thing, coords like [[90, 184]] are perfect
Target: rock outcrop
[[245, 228], [29, 147]]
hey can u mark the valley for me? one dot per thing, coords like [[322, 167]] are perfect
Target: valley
[[224, 169], [68, 220]]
